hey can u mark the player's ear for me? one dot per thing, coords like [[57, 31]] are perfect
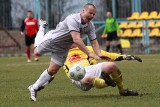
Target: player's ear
[[83, 10]]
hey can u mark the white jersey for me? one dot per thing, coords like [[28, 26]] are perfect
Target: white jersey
[[61, 34], [58, 41]]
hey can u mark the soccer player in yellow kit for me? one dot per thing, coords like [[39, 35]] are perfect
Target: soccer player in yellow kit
[[97, 74]]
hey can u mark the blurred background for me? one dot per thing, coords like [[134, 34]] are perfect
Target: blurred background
[[139, 21]]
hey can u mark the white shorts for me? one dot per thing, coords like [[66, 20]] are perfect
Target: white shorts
[[58, 54], [92, 70]]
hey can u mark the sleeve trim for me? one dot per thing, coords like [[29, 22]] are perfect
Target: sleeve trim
[[93, 39], [74, 30]]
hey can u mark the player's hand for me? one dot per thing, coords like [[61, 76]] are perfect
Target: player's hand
[[22, 34], [103, 36], [118, 35], [104, 57], [94, 56], [131, 57]]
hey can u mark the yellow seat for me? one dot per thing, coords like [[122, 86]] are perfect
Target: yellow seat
[[136, 33], [157, 24], [139, 25], [125, 43], [151, 24], [132, 25], [153, 15], [158, 16], [140, 35], [143, 16], [123, 25], [126, 33], [158, 34], [134, 16], [154, 32]]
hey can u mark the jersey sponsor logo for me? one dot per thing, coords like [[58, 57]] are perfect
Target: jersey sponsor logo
[[74, 58], [84, 30], [30, 23]]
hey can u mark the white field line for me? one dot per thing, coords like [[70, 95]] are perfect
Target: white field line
[[28, 64]]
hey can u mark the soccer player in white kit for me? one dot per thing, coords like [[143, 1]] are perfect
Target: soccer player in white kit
[[58, 42]]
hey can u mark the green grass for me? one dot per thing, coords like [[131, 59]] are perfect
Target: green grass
[[16, 75]]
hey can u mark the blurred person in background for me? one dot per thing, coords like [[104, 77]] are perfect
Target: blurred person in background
[[113, 31], [30, 26]]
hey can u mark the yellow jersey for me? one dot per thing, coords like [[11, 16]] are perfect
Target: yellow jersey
[[75, 55]]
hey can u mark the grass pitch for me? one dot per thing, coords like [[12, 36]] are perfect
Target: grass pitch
[[16, 75]]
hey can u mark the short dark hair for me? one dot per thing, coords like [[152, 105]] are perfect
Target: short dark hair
[[29, 11], [89, 4]]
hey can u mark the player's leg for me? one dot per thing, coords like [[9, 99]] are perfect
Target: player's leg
[[32, 47], [111, 68], [40, 36], [27, 43], [92, 77], [57, 60], [48, 82], [35, 56], [97, 82], [117, 41], [46, 75], [118, 45], [28, 53], [44, 78], [88, 82], [40, 33], [107, 46], [108, 68], [108, 40]]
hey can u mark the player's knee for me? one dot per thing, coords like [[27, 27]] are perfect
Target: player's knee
[[53, 68], [113, 67], [109, 67]]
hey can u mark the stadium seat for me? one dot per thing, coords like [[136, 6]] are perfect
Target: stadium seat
[[158, 16], [158, 34], [140, 35], [136, 33], [153, 15], [151, 24], [157, 24], [154, 32], [121, 31], [126, 33], [125, 43], [134, 16], [143, 16], [139, 25], [131, 25], [123, 25]]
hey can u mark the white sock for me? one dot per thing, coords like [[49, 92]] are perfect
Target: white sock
[[44, 77], [39, 36]]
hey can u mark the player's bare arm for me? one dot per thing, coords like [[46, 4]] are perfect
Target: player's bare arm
[[78, 41], [97, 50]]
